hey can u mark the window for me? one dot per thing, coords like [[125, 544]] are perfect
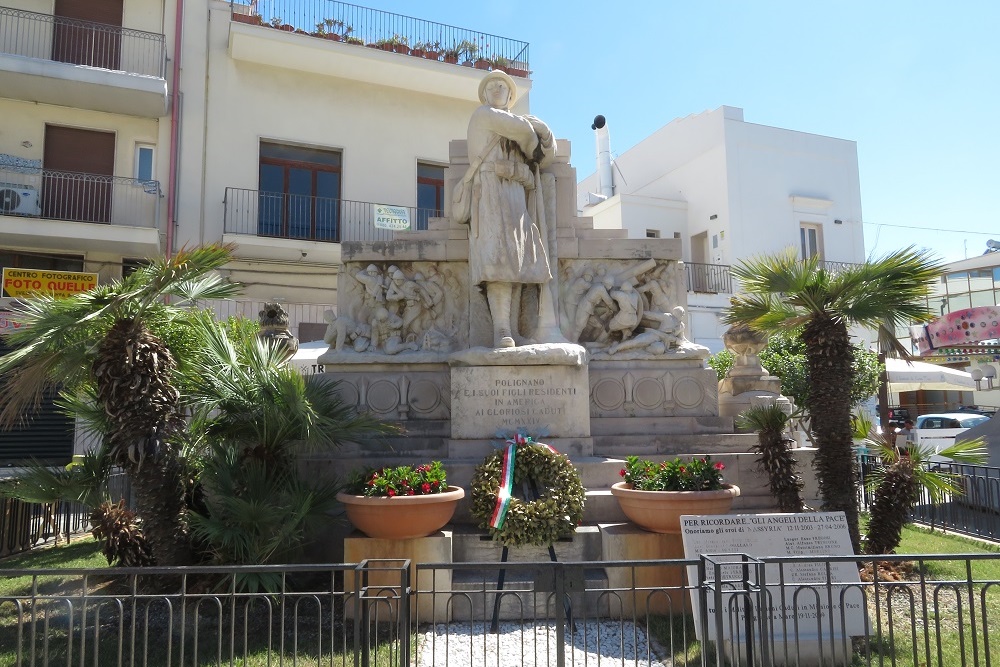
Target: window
[[430, 193], [811, 238], [299, 193], [652, 234], [144, 162], [42, 262], [131, 265]]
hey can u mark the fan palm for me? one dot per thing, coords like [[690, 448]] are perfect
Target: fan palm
[[106, 338], [782, 292], [776, 458], [252, 415], [901, 479]]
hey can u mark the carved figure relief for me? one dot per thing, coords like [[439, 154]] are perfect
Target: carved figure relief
[[398, 309], [616, 307]]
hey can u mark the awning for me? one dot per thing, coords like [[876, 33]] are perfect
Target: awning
[[917, 375]]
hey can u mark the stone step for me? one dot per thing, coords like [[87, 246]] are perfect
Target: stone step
[[470, 545], [528, 596]]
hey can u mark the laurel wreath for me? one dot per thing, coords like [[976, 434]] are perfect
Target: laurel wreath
[[557, 511]]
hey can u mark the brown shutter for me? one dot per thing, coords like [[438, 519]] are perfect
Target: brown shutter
[[85, 194], [84, 44]]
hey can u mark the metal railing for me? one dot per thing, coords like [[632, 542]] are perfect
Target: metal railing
[[48, 37], [62, 195], [931, 609], [289, 216], [24, 525], [373, 27], [708, 278]]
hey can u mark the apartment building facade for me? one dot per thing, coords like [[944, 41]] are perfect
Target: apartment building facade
[[731, 190]]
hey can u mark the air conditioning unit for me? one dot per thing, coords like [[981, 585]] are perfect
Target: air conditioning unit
[[19, 200]]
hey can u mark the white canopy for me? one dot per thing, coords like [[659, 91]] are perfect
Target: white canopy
[[919, 375], [305, 358]]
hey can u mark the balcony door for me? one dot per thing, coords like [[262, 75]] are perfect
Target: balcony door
[[78, 169], [299, 193], [76, 38]]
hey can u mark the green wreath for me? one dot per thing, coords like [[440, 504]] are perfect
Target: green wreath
[[555, 514]]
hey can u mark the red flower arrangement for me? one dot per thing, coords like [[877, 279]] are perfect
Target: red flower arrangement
[[698, 474], [418, 480]]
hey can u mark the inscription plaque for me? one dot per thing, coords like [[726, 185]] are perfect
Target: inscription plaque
[[549, 401]]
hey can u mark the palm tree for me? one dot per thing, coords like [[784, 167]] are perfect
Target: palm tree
[[776, 458], [782, 292], [252, 414], [105, 338], [901, 479]]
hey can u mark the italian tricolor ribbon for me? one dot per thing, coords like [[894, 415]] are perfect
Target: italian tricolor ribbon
[[505, 492]]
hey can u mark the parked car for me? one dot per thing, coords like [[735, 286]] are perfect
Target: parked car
[[939, 430]]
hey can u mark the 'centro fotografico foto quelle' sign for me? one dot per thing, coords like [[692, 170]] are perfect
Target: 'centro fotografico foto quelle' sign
[[25, 282], [391, 217]]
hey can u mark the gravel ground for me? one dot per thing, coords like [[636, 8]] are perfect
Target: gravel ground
[[593, 643]]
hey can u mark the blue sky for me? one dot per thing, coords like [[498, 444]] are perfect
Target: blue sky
[[916, 84]]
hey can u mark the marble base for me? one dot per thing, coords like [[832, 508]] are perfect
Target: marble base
[[424, 607], [643, 590], [544, 400]]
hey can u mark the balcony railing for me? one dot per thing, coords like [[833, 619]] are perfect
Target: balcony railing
[[62, 195], [708, 278], [373, 27], [55, 38], [289, 216]]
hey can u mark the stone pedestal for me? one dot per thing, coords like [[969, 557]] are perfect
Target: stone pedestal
[[653, 589], [541, 390], [430, 604]]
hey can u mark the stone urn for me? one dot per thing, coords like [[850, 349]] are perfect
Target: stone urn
[[746, 344], [274, 327], [401, 517], [660, 511]]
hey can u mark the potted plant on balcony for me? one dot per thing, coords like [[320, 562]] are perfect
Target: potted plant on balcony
[[451, 55], [251, 19], [400, 503], [655, 495], [467, 51], [500, 63], [432, 50], [277, 23]]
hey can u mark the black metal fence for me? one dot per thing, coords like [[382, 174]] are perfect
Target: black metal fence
[[716, 610], [392, 32], [291, 216], [708, 278], [57, 38], [25, 525]]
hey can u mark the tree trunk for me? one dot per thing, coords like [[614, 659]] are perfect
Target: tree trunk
[[159, 493], [829, 354]]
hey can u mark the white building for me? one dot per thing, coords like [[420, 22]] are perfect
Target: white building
[[731, 190], [122, 141], [290, 138], [85, 90]]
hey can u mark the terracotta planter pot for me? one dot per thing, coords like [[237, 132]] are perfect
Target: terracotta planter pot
[[660, 511], [452, 60], [401, 517], [417, 53], [513, 71], [286, 28], [431, 55], [482, 63], [251, 19], [401, 48], [332, 36]]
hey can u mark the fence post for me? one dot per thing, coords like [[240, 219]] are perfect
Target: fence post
[[559, 572]]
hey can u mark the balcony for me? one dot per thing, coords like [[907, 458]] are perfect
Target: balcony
[[53, 60], [86, 211], [276, 220], [708, 278], [328, 38]]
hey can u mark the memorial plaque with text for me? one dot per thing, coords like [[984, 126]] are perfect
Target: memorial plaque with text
[[549, 400], [817, 598]]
